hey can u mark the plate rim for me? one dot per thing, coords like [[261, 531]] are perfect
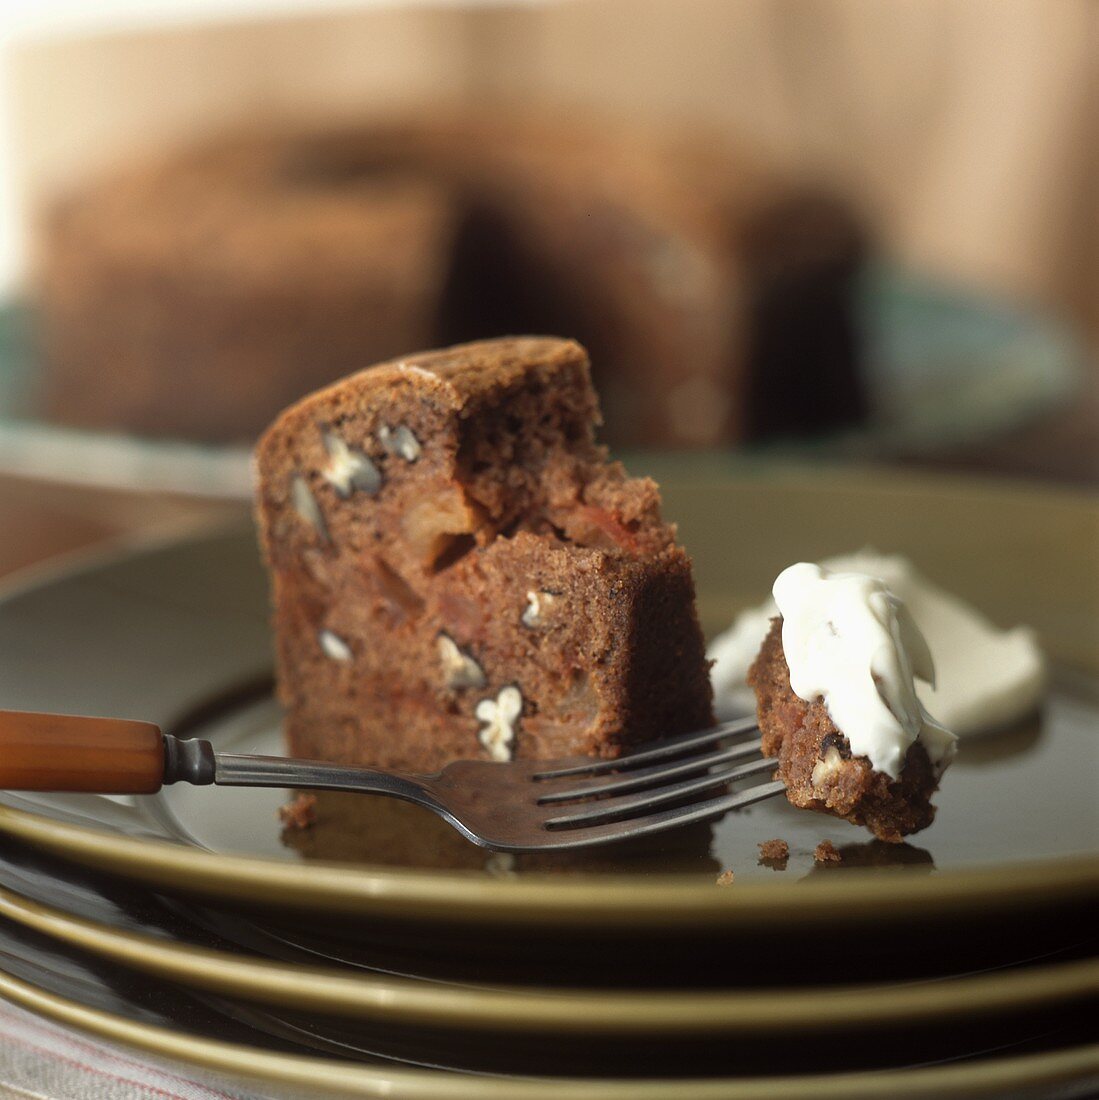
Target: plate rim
[[660, 903], [974, 1078], [561, 1011], [666, 902]]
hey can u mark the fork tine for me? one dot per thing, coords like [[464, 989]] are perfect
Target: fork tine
[[671, 746], [659, 822], [647, 777], [609, 808]]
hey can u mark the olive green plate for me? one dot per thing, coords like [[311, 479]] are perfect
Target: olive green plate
[[1069, 1068], [175, 633], [394, 1001]]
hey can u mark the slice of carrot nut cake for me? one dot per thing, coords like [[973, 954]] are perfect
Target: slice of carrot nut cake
[[458, 571], [834, 685]]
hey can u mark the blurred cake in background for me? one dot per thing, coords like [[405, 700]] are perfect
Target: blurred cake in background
[[189, 298], [196, 295]]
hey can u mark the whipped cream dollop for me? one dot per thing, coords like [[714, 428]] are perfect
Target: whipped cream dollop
[[850, 641], [986, 678]]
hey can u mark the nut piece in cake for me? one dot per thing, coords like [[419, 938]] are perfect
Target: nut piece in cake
[[837, 705], [499, 718], [539, 609], [335, 646], [306, 507], [504, 589], [460, 670], [348, 469], [400, 441]]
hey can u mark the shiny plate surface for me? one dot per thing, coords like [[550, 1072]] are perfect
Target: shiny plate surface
[[177, 634]]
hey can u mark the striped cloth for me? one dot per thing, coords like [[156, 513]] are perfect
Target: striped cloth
[[41, 1060]]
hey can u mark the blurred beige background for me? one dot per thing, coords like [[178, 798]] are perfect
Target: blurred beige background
[[965, 129]]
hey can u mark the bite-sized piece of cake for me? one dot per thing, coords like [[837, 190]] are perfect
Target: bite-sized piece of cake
[[458, 571], [836, 702]]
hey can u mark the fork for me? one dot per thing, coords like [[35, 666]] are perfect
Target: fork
[[521, 806]]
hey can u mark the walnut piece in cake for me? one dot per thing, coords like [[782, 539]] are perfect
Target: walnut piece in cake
[[349, 470], [460, 670], [500, 716], [458, 571]]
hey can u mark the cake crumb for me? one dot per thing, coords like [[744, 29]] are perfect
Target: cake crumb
[[826, 852], [299, 812], [774, 854], [725, 878]]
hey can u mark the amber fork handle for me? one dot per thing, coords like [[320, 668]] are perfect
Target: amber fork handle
[[64, 752]]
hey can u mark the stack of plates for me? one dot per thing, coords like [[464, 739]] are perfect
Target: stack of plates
[[379, 953]]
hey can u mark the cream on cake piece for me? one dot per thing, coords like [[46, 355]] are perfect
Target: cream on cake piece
[[987, 678]]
